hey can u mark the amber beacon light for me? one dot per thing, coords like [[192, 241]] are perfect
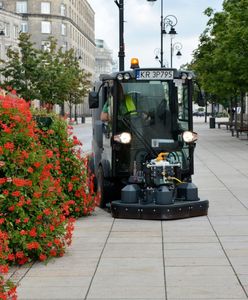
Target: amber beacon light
[[134, 63]]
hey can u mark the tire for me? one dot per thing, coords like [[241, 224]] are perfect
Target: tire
[[103, 187]]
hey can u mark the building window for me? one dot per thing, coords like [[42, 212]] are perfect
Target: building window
[[21, 7], [64, 46], [24, 27], [45, 45], [45, 7], [63, 29], [45, 27], [7, 30], [63, 10], [16, 31]]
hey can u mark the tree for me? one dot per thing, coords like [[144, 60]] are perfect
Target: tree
[[76, 80], [19, 71], [220, 59], [52, 76]]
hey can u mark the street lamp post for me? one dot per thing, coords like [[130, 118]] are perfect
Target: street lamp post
[[175, 47], [161, 33], [169, 20], [120, 4], [157, 51]]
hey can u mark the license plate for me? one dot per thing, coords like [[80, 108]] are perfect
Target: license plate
[[154, 75]]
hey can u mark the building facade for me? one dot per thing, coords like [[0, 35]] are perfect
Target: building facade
[[104, 59], [10, 24], [71, 22]]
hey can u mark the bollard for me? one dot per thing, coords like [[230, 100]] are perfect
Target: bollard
[[212, 122]]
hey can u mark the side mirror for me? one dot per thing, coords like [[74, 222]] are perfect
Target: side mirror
[[93, 100], [200, 99]]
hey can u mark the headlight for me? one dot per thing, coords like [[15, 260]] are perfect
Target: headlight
[[123, 138], [119, 76], [184, 76], [127, 76], [189, 136]]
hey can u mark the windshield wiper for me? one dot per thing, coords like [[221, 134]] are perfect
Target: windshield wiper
[[139, 136]]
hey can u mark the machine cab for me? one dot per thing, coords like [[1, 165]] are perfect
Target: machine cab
[[147, 141]]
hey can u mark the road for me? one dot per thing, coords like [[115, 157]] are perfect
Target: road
[[84, 133]]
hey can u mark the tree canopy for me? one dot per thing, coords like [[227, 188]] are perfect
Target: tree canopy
[[220, 61], [52, 75]]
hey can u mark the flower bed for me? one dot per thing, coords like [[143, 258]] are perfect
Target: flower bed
[[69, 166], [43, 184]]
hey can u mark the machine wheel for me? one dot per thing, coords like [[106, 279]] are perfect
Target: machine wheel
[[102, 187]]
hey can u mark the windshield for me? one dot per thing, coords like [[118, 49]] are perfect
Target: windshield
[[145, 107]]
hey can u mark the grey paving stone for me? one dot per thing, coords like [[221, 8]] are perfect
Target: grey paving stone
[[230, 225], [122, 266], [126, 292], [66, 281], [129, 250], [154, 237], [196, 261], [191, 254], [51, 293], [203, 282], [127, 225], [190, 239]]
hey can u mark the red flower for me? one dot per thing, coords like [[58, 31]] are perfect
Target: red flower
[[37, 195], [33, 245], [42, 257], [30, 170], [2, 221], [70, 186], [16, 193], [3, 180], [19, 254], [37, 164], [23, 232], [23, 261], [11, 257], [49, 153], [47, 211], [39, 217], [9, 146], [4, 269], [25, 154], [11, 208], [57, 242], [33, 232], [21, 182], [53, 252], [28, 202]]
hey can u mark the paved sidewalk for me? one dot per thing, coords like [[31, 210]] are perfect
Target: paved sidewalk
[[197, 258]]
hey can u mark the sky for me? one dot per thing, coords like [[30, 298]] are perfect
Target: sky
[[142, 28]]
